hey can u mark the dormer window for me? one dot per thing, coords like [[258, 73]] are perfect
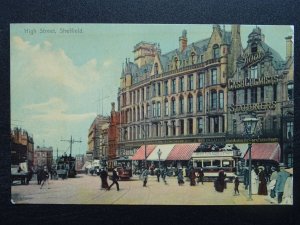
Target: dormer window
[[155, 68], [193, 57], [176, 63], [216, 51], [254, 48]]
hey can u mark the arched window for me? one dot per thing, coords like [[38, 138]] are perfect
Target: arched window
[[190, 103], [181, 104], [216, 51], [199, 102]]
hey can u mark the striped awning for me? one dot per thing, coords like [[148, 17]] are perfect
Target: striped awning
[[140, 153], [264, 151], [165, 151], [183, 151]]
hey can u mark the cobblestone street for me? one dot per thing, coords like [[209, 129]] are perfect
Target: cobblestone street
[[85, 189]]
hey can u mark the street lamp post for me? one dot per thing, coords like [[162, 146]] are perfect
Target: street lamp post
[[250, 125], [159, 154]]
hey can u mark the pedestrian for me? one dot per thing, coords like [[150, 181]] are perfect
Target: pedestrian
[[180, 177], [280, 182], [201, 175], [158, 174], [287, 197], [219, 183], [103, 177], [115, 179], [236, 185], [254, 181], [262, 185], [45, 177], [246, 177], [164, 175], [271, 185], [192, 177], [145, 174]]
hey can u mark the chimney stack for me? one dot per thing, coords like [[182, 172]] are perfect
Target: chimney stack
[[289, 47], [183, 41]]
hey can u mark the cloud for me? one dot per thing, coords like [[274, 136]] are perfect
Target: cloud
[[55, 110], [43, 63]]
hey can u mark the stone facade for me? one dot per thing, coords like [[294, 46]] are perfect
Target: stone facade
[[43, 156], [22, 140]]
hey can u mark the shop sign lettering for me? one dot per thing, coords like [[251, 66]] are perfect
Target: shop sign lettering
[[263, 106], [252, 82]]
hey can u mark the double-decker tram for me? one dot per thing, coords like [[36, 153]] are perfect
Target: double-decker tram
[[213, 162]]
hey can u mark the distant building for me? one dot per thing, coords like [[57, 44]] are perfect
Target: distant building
[[43, 156], [22, 146], [113, 133], [93, 151], [79, 162]]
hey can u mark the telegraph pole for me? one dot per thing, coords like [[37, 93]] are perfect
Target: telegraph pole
[[71, 141]]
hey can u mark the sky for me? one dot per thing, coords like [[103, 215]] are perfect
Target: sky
[[61, 81]]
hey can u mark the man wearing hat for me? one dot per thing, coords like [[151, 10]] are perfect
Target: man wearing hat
[[280, 181]]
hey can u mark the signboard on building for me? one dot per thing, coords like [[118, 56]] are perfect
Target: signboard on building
[[262, 106], [252, 82]]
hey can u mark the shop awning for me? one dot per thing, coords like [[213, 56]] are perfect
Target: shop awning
[[165, 151], [140, 153], [182, 151], [264, 151]]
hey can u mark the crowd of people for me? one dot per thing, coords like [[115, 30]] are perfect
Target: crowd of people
[[277, 185]]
